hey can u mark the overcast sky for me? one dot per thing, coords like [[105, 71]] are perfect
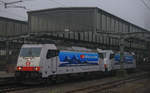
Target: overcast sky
[[134, 11]]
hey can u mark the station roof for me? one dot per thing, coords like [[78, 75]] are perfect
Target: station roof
[[61, 8], [74, 8], [13, 20]]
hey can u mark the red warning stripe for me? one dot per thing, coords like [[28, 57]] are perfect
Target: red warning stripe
[[28, 68]]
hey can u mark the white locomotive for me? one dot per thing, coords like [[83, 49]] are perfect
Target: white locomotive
[[38, 61]]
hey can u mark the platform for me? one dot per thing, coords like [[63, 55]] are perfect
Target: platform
[[4, 74]]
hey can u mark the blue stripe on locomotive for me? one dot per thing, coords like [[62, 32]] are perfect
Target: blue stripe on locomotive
[[127, 58], [74, 58]]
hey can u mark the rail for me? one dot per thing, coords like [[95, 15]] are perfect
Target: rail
[[109, 85]]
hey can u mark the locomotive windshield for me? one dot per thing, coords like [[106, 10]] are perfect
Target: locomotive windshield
[[30, 52]]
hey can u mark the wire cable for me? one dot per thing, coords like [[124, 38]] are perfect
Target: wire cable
[[17, 6], [14, 6]]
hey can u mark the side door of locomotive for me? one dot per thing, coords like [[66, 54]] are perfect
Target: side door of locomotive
[[52, 57]]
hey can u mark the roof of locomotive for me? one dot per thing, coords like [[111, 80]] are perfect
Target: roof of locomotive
[[75, 48], [32, 45], [62, 48]]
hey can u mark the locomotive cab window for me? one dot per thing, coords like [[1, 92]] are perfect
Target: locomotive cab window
[[30, 52], [52, 53]]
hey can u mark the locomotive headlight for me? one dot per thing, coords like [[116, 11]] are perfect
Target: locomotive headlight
[[37, 68], [19, 68]]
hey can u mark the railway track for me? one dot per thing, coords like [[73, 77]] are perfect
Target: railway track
[[10, 84], [8, 80], [106, 87], [14, 86]]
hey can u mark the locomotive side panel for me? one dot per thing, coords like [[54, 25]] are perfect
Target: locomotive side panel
[[129, 61], [66, 62], [77, 62]]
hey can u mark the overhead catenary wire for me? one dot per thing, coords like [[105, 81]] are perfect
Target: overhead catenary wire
[[11, 4], [18, 6], [14, 2]]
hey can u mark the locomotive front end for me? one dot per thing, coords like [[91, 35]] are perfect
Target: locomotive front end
[[28, 65]]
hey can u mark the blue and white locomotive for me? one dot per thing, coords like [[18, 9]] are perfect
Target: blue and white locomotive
[[49, 60]]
